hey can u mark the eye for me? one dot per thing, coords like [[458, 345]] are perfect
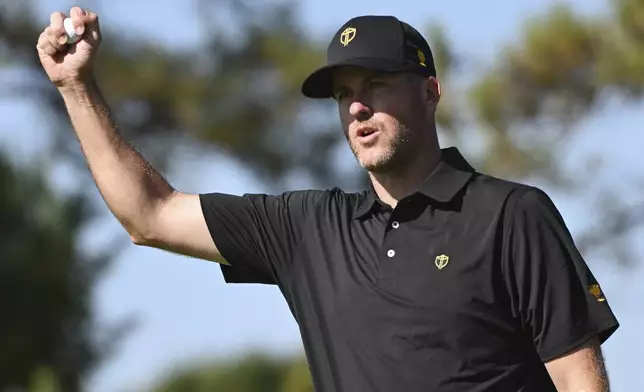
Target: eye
[[376, 83], [340, 95]]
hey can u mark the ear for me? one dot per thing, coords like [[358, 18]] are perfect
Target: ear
[[433, 88]]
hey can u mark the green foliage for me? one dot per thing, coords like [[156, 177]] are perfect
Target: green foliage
[[297, 377], [45, 284], [253, 373], [562, 67], [44, 380]]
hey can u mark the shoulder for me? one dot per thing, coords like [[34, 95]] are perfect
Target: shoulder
[[303, 200], [314, 203], [528, 214], [487, 185], [487, 190], [330, 206], [336, 200], [321, 197], [511, 199]]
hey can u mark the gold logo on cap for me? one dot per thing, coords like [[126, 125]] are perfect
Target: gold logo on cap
[[441, 261], [597, 292], [347, 35], [421, 58]]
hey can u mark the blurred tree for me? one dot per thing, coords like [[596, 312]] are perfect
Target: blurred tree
[[564, 68], [253, 373], [44, 380], [47, 331], [297, 377]]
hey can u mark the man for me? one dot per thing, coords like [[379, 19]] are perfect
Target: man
[[436, 278]]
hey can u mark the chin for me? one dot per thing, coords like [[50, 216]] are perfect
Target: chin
[[379, 162]]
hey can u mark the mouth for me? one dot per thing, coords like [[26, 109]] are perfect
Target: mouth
[[367, 134]]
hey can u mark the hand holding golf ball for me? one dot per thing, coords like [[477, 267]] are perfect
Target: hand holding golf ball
[[70, 30], [68, 46]]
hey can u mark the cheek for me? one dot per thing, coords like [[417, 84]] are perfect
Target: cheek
[[345, 119], [388, 122], [389, 104], [399, 112]]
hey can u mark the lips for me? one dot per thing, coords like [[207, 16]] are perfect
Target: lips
[[366, 134], [366, 131]]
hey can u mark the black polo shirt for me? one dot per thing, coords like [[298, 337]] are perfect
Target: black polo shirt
[[469, 284]]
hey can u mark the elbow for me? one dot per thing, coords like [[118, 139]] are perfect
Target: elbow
[[138, 239], [144, 229], [147, 240], [144, 237], [138, 236], [141, 237]]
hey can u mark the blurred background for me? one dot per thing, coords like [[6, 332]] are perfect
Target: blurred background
[[541, 91]]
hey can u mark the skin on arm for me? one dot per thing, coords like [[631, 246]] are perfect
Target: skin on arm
[[581, 370], [181, 228], [152, 212]]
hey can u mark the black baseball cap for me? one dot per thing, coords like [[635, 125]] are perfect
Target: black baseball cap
[[381, 43]]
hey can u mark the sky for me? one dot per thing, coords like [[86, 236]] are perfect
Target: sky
[[184, 308]]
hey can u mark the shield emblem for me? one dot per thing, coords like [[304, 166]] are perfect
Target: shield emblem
[[347, 35], [441, 261]]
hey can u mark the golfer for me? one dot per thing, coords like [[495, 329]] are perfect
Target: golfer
[[435, 278]]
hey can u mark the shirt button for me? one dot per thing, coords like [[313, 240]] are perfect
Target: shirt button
[[391, 253], [395, 224]]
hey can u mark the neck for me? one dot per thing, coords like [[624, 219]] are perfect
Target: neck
[[393, 186]]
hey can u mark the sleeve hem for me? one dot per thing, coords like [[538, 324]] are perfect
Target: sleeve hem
[[232, 273], [244, 275], [603, 332], [216, 234]]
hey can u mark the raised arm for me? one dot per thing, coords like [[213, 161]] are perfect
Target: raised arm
[[152, 212]]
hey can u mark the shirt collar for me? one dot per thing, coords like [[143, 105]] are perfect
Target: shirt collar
[[450, 175]]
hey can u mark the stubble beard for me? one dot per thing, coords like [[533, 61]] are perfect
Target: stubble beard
[[396, 156]]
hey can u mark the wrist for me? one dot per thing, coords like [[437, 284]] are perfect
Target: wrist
[[77, 90]]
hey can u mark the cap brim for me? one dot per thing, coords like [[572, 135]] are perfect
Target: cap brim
[[320, 83]]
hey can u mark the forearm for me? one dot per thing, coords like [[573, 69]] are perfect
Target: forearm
[[130, 186], [583, 383], [583, 370]]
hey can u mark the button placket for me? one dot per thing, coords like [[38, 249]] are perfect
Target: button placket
[[391, 251]]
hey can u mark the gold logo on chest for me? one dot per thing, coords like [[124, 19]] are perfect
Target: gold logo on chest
[[441, 261]]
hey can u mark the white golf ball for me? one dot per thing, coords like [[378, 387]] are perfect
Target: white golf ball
[[72, 37]]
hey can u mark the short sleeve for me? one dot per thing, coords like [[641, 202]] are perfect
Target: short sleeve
[[552, 290], [257, 234]]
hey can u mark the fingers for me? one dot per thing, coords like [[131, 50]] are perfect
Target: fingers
[[83, 20], [56, 30], [53, 38], [44, 44]]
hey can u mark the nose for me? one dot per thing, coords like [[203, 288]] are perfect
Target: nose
[[359, 110]]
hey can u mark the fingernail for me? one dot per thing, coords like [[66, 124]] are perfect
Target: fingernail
[[62, 40], [80, 30]]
